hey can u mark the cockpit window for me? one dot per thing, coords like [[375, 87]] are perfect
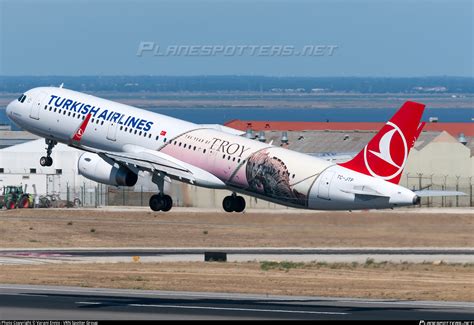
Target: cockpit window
[[22, 98]]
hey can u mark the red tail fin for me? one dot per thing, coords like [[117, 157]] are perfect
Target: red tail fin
[[386, 154]]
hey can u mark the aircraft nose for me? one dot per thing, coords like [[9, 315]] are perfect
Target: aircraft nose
[[9, 108]]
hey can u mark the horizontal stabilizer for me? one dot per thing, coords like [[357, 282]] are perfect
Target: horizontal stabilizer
[[428, 193]]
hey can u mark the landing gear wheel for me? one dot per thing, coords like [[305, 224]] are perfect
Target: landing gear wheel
[[168, 203], [156, 202], [233, 203], [228, 204], [239, 203], [160, 202], [47, 161], [44, 161]]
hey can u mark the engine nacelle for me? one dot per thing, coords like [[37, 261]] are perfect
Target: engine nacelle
[[97, 169]]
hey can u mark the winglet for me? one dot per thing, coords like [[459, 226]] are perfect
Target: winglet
[[82, 128]]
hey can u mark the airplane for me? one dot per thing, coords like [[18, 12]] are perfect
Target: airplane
[[119, 141]]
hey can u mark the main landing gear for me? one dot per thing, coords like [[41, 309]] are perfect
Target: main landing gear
[[233, 203], [161, 202], [48, 161]]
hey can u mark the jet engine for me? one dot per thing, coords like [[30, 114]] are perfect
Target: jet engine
[[95, 168]]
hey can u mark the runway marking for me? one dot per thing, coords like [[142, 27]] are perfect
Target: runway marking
[[101, 292], [88, 303], [242, 309], [23, 294]]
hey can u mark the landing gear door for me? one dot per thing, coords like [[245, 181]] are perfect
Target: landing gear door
[[324, 185], [112, 131], [36, 106]]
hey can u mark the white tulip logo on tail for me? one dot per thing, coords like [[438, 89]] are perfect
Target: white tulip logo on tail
[[391, 149]]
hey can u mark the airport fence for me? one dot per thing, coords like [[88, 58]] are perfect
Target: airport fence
[[184, 195]]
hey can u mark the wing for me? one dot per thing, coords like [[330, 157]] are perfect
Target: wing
[[334, 156], [141, 158]]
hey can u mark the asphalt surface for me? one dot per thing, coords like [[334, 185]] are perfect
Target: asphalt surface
[[47, 302], [348, 255]]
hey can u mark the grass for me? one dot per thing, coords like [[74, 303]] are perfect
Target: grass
[[284, 265], [53, 228], [421, 281], [369, 263]]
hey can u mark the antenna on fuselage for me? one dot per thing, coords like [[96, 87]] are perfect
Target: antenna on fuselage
[[61, 85]]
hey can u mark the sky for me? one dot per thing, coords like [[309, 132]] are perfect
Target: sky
[[396, 38]]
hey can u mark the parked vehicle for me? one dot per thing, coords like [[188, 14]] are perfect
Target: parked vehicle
[[13, 197]]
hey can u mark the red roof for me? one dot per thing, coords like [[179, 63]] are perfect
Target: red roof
[[453, 128]]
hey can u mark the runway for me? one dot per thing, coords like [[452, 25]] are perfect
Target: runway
[[48, 302], [330, 255]]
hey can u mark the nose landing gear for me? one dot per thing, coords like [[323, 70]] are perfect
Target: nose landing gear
[[233, 203], [47, 161]]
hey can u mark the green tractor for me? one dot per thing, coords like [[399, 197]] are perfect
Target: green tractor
[[14, 197]]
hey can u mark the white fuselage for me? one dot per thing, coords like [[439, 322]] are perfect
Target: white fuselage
[[243, 165]]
